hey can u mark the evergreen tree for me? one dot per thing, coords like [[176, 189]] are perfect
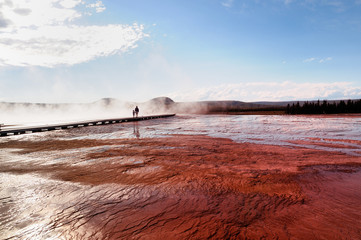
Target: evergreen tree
[[349, 106]]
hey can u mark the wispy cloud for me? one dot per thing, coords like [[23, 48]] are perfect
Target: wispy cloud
[[339, 6], [335, 5], [271, 91], [322, 60], [44, 33], [227, 3], [318, 60], [309, 60]]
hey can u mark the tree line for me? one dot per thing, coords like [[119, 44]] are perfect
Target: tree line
[[324, 107]]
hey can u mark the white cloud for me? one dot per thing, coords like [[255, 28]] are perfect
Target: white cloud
[[99, 6], [44, 33], [69, 3], [271, 91]]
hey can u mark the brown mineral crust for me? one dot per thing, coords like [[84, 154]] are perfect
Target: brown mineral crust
[[198, 187]]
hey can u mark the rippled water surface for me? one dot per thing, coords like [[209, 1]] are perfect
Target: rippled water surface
[[275, 130], [35, 206]]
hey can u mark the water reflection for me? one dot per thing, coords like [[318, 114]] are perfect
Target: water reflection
[[136, 129]]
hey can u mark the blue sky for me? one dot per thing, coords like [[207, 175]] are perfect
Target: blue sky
[[135, 50]]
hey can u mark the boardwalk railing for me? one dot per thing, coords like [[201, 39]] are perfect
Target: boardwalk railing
[[17, 131]]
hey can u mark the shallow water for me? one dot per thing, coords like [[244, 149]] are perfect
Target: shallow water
[[274, 129], [34, 205]]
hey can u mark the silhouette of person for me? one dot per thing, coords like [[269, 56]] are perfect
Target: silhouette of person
[[136, 111], [133, 113]]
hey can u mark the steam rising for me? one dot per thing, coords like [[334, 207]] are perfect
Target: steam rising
[[41, 113], [107, 108]]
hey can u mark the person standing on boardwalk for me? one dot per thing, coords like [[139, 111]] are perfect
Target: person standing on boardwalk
[[136, 111], [133, 113]]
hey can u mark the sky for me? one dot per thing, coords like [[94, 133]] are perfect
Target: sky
[[63, 51]]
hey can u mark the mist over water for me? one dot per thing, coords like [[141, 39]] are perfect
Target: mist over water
[[35, 114], [41, 113]]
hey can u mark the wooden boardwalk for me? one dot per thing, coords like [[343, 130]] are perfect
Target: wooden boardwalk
[[16, 131]]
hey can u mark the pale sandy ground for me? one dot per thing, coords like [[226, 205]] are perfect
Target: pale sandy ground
[[188, 187]]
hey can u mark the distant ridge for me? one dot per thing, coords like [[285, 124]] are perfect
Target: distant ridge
[[166, 104], [162, 100], [226, 107]]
